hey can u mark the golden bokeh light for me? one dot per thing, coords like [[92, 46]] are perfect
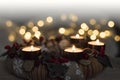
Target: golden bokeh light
[[23, 27], [111, 24], [107, 33], [96, 32], [27, 36], [35, 28], [81, 31], [49, 19], [9, 23], [73, 18], [37, 34], [63, 17], [93, 37], [102, 35], [30, 24], [40, 23], [90, 32], [84, 26], [22, 31], [11, 37], [61, 30], [117, 38], [92, 21]]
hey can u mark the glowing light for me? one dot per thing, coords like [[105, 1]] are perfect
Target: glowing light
[[27, 36], [95, 32], [30, 24], [63, 17], [84, 26], [90, 32], [111, 24], [81, 32], [92, 21], [22, 31], [107, 33], [35, 28], [102, 34], [49, 19], [40, 23], [61, 30], [93, 37], [9, 23], [23, 27], [11, 37], [117, 38], [37, 34], [74, 18]]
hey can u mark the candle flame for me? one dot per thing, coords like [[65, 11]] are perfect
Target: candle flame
[[97, 41], [77, 36], [31, 48], [73, 48]]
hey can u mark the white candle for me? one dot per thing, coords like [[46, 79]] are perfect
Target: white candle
[[73, 49], [31, 48], [96, 43], [77, 36]]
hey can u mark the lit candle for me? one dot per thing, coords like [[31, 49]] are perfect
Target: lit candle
[[73, 53], [30, 52], [78, 40], [31, 48], [73, 49], [97, 45], [77, 36]]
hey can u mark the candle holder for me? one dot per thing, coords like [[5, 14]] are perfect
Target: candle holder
[[78, 41], [73, 54], [27, 53], [97, 45]]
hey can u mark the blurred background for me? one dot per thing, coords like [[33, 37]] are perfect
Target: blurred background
[[26, 18]]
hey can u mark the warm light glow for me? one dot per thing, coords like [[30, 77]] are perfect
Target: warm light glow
[[22, 31], [117, 38], [74, 18], [107, 33], [111, 24], [77, 35], [27, 36], [90, 32], [73, 48], [84, 26], [92, 21], [37, 34], [93, 37], [30, 24], [49, 19], [95, 32], [97, 41], [35, 28], [11, 38], [40, 23], [9, 23], [31, 48], [61, 30], [103, 21], [81, 32], [23, 27], [63, 17], [102, 34]]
